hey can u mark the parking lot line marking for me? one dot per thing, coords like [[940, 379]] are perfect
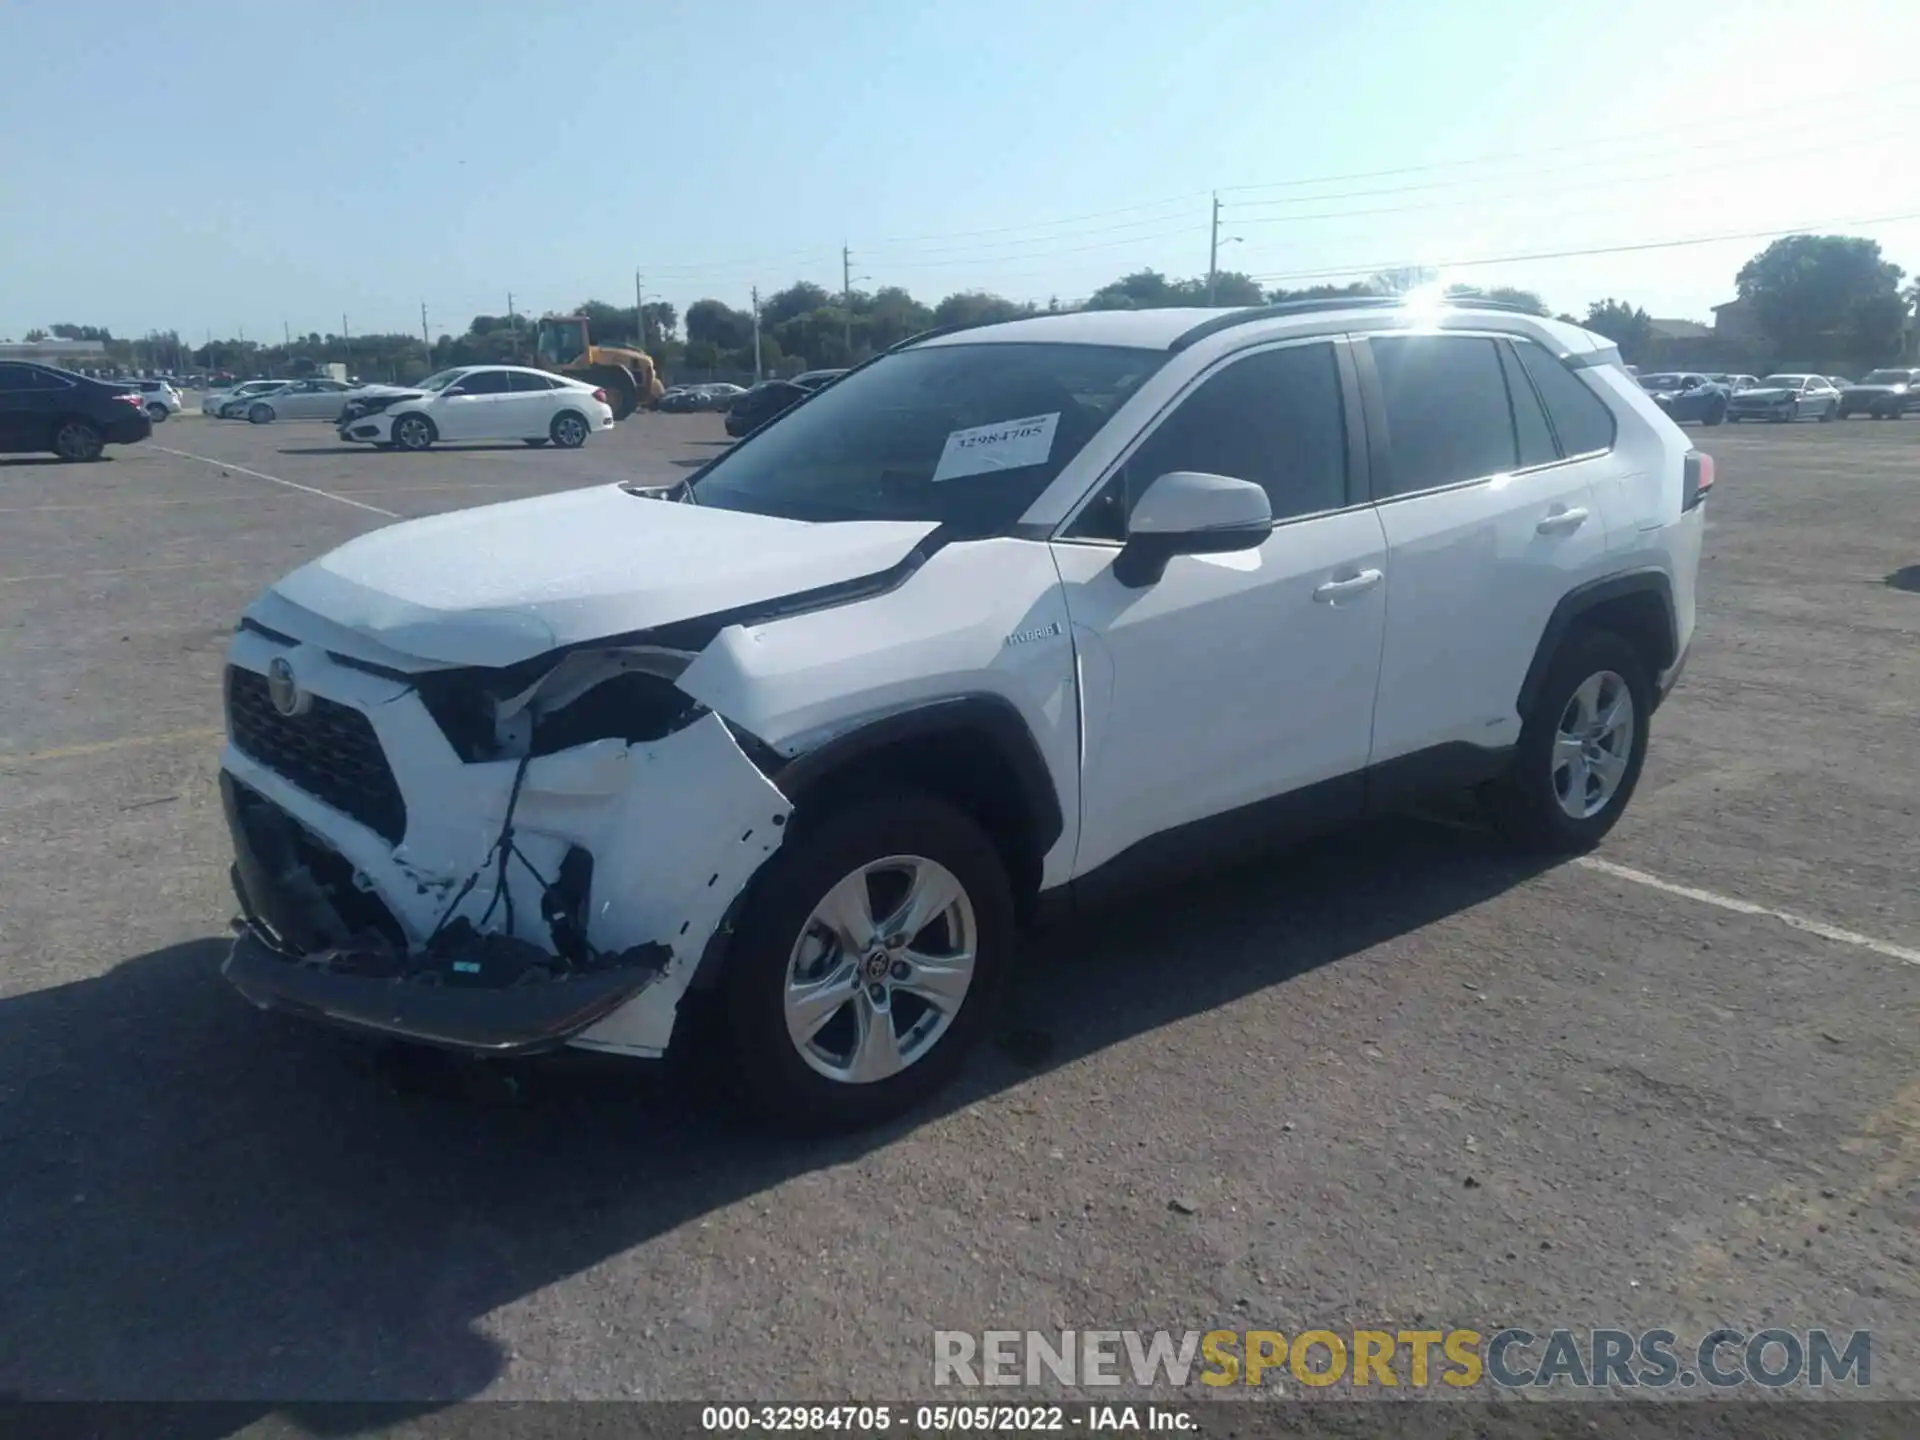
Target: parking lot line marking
[[101, 747], [1747, 907], [124, 570], [276, 480]]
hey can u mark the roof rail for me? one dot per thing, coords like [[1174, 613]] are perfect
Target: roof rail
[[1343, 302]]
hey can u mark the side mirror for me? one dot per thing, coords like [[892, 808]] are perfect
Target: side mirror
[[1186, 512], [453, 390]]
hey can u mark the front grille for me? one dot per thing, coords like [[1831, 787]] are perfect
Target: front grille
[[329, 751]]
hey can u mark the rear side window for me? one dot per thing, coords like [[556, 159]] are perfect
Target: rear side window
[[1529, 420], [1447, 415], [526, 380], [1580, 418]]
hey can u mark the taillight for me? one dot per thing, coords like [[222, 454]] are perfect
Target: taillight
[[1696, 478], [133, 400], [601, 396]]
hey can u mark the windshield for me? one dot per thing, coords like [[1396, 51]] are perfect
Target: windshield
[[1783, 382], [963, 435], [441, 380], [1886, 377]]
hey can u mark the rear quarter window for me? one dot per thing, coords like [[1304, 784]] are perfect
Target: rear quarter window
[[1581, 420]]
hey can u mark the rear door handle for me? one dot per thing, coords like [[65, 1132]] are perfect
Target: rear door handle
[[1561, 521], [1344, 589]]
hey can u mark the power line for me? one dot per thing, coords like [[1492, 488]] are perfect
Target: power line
[[1443, 265]]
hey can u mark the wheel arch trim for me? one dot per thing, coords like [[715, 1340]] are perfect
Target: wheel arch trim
[[1581, 601]]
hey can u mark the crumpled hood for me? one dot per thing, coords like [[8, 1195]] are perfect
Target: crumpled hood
[[503, 583]]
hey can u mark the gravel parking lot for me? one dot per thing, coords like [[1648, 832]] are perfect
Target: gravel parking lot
[[1397, 1080]]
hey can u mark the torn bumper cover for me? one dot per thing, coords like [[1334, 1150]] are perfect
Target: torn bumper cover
[[496, 907], [485, 993]]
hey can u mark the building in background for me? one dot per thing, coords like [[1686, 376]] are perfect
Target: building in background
[[66, 353]]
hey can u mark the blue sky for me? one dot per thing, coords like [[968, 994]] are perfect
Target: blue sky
[[213, 166]]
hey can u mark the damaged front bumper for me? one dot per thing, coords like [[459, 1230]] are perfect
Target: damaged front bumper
[[407, 919]]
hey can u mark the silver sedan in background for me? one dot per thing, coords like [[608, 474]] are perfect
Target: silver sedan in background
[[295, 400]]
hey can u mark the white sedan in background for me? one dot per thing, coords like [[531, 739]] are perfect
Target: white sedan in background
[[478, 402], [299, 400], [214, 401]]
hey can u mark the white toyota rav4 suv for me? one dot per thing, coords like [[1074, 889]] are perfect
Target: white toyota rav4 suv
[[1005, 619]]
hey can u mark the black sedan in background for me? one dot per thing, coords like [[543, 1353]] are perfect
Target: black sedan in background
[[761, 404], [1687, 396], [69, 415], [1883, 394]]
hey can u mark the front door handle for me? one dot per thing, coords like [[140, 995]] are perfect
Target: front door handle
[[1345, 589], [1562, 521]]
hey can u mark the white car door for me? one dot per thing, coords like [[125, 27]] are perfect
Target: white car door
[[474, 407], [1487, 522], [1235, 678], [532, 403]]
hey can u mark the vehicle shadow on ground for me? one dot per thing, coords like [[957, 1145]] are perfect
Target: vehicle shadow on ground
[[21, 462], [438, 447], [208, 1202]]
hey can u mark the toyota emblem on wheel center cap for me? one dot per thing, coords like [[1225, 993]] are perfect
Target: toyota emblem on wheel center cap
[[283, 689]]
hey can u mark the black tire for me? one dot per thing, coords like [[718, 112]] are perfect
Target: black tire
[[1524, 804], [76, 440], [260, 413], [534, 441], [569, 430], [773, 1078], [413, 433], [1732, 419], [1717, 415], [157, 413], [1828, 414]]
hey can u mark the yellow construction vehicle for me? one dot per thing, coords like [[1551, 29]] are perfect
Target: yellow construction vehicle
[[562, 345]]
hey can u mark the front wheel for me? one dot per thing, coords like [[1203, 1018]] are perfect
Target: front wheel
[[413, 432], [1581, 747], [1828, 414], [569, 431], [77, 440], [867, 963], [260, 414]]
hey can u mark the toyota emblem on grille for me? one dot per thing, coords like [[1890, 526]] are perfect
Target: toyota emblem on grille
[[283, 689]]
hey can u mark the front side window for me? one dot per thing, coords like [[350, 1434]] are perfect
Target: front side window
[[1447, 416], [1274, 417], [484, 382], [439, 381], [966, 436]]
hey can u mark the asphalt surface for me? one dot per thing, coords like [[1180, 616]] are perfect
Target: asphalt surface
[[1395, 1080]]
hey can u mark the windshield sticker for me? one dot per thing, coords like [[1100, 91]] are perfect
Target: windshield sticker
[[1004, 445]]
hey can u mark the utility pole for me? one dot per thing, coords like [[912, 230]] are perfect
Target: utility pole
[[846, 295], [286, 334], [1213, 250], [514, 325], [639, 313], [426, 339], [346, 341], [756, 335]]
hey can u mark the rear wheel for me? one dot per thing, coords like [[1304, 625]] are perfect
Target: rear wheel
[[1717, 414], [622, 394], [1581, 747], [77, 439], [156, 412], [1828, 413], [568, 430], [413, 432], [260, 413], [867, 963]]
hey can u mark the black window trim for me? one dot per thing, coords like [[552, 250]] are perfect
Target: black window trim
[[1357, 451]]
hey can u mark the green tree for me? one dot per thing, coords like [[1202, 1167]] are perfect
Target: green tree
[[714, 323], [1321, 292], [36, 335], [661, 320], [1502, 295], [82, 332], [1815, 295], [892, 315], [800, 298], [607, 324], [976, 307], [1628, 326]]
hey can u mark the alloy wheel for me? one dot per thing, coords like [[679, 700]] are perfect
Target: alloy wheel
[[881, 969], [1593, 745], [77, 440]]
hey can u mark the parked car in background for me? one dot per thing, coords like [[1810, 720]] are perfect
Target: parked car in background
[[158, 398], [214, 401], [1883, 394], [720, 396], [237, 404], [761, 404], [69, 415], [1781, 398], [1687, 396], [298, 400], [814, 379], [1735, 383], [479, 402]]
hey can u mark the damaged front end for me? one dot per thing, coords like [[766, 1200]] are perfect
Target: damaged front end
[[564, 842]]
